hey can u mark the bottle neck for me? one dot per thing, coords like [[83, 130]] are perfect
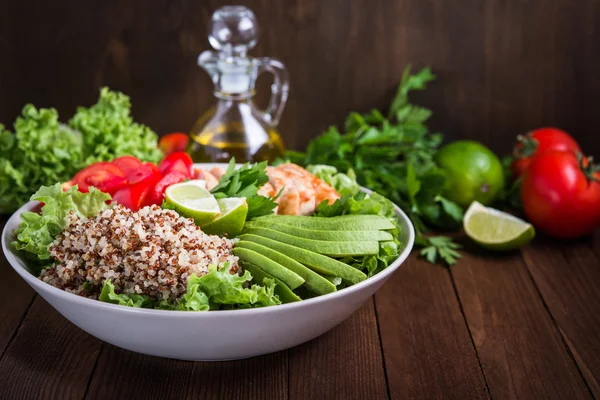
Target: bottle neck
[[240, 97]]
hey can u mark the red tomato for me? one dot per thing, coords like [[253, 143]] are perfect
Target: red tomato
[[128, 164], [143, 172], [168, 180], [138, 195], [103, 176], [180, 161], [173, 142], [561, 195], [537, 142]]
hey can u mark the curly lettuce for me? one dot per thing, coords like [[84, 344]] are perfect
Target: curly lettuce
[[108, 130], [108, 295], [37, 230], [342, 183], [217, 289], [42, 151]]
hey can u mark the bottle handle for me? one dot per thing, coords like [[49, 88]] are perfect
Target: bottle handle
[[208, 60], [279, 88]]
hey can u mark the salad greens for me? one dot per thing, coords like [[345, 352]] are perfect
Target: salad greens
[[393, 155], [42, 151], [108, 130], [245, 182], [108, 295], [37, 231], [217, 289]]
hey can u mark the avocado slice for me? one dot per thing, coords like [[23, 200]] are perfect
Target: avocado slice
[[317, 262], [280, 272], [335, 280], [281, 289], [337, 236], [339, 223], [329, 248], [313, 281]]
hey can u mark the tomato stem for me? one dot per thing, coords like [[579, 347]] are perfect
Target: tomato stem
[[526, 147], [586, 164]]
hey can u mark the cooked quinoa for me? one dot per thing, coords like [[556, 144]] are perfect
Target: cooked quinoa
[[151, 251]]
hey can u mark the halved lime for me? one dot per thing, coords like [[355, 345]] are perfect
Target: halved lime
[[496, 230], [191, 199], [232, 218]]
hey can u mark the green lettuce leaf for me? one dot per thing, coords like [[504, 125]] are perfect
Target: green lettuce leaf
[[215, 290], [37, 231], [342, 183], [40, 152], [108, 130], [225, 288], [108, 295]]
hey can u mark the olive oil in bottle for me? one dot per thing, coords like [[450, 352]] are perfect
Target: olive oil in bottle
[[235, 127]]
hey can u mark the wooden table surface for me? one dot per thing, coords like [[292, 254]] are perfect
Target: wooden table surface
[[520, 325]]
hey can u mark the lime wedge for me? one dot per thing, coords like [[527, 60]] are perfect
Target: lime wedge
[[232, 218], [191, 199], [496, 230]]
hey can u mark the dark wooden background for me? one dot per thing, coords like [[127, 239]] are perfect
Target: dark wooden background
[[504, 66]]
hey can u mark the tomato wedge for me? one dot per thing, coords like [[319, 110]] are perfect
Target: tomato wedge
[[127, 164], [143, 172], [180, 161], [104, 176], [169, 179], [138, 195], [173, 142]]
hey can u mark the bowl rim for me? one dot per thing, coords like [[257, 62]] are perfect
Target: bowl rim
[[36, 283]]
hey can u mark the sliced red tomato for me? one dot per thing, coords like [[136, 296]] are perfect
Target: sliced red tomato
[[104, 176], [138, 195], [128, 164], [143, 172], [173, 142], [169, 179], [180, 161]]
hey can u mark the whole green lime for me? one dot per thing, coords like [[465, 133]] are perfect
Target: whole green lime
[[474, 172]]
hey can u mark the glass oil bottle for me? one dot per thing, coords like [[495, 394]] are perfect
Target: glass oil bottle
[[235, 127]]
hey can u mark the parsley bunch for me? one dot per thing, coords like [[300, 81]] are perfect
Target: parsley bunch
[[393, 155], [245, 182]]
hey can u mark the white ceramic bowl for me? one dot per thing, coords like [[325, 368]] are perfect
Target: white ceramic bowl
[[207, 336]]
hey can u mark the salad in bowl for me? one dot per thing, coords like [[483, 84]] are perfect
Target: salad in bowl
[[206, 261]]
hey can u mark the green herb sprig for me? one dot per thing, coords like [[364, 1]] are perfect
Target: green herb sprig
[[393, 155]]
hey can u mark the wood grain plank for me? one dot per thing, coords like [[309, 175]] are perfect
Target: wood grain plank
[[128, 375], [344, 363], [48, 358], [569, 282], [15, 296], [519, 346], [257, 378], [426, 344]]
